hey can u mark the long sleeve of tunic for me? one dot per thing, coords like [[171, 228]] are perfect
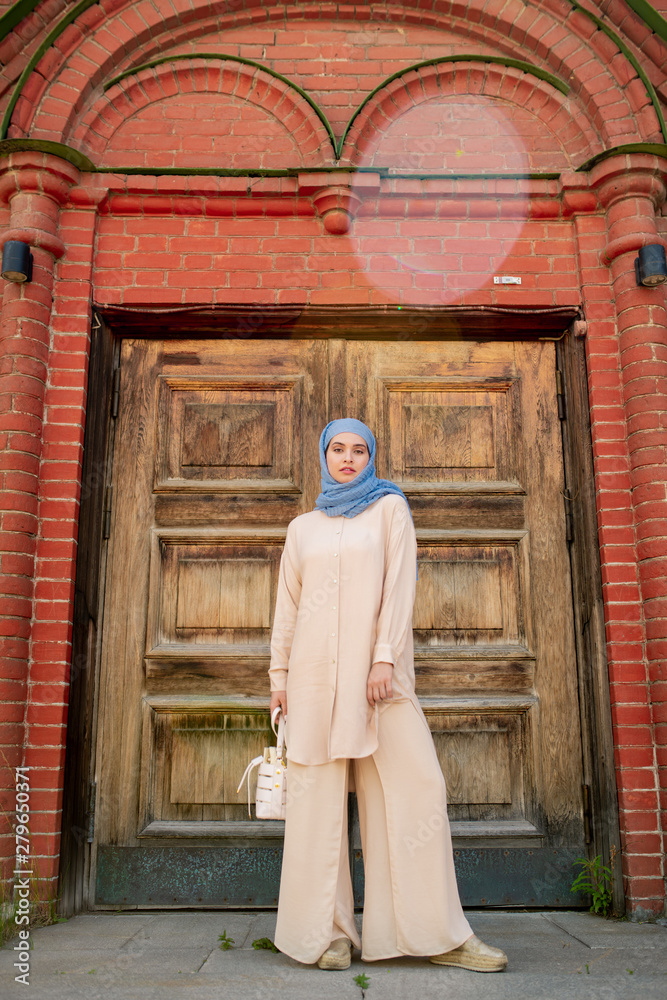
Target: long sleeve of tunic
[[345, 599]]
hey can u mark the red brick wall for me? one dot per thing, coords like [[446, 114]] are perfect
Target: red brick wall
[[251, 240], [368, 42], [634, 737], [408, 249]]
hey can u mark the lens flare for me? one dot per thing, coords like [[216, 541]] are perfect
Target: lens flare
[[453, 199]]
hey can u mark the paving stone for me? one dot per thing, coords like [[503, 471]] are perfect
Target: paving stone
[[597, 932], [176, 956]]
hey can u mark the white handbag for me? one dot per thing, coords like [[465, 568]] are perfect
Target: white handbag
[[271, 793]]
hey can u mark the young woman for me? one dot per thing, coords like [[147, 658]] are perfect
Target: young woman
[[342, 659]]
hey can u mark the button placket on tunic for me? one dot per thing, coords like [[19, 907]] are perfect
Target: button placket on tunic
[[334, 616]]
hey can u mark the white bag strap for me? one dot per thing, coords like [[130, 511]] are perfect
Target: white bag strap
[[253, 763], [280, 734]]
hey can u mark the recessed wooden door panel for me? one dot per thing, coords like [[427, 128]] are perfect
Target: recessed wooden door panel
[[215, 451], [228, 433]]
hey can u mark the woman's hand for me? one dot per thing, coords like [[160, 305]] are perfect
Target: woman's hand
[[278, 698], [378, 686]]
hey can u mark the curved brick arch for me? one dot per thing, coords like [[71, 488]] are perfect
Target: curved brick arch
[[573, 140], [20, 44], [95, 48], [628, 22], [205, 102], [569, 45]]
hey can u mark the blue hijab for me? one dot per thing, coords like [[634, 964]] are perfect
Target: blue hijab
[[351, 498]]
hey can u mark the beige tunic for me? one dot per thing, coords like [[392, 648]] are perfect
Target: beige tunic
[[345, 598]]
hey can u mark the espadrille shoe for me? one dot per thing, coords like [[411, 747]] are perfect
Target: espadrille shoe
[[338, 955], [475, 955]]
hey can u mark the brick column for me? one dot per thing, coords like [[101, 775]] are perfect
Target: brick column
[[34, 185], [630, 189]]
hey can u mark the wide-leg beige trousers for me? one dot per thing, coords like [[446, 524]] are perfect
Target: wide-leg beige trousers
[[411, 899]]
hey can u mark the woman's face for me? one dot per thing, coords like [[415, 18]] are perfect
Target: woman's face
[[346, 451]]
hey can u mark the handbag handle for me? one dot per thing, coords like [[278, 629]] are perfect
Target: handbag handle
[[255, 762], [280, 734]]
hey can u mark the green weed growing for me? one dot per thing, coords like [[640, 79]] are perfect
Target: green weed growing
[[597, 879]]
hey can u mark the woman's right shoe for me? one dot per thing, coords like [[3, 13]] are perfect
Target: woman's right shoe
[[473, 954], [338, 955]]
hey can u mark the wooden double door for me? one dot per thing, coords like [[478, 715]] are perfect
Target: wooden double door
[[215, 451]]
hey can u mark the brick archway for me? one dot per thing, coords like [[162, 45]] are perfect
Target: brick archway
[[561, 134], [197, 93], [94, 46]]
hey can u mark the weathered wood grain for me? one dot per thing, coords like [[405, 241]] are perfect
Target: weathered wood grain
[[75, 850], [594, 701]]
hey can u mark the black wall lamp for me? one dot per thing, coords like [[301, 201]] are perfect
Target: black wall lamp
[[651, 265], [16, 261]]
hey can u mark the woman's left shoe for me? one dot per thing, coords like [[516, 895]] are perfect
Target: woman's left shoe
[[473, 954], [338, 955]]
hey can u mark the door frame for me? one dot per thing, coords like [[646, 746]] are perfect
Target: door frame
[[599, 792], [599, 804], [79, 791]]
